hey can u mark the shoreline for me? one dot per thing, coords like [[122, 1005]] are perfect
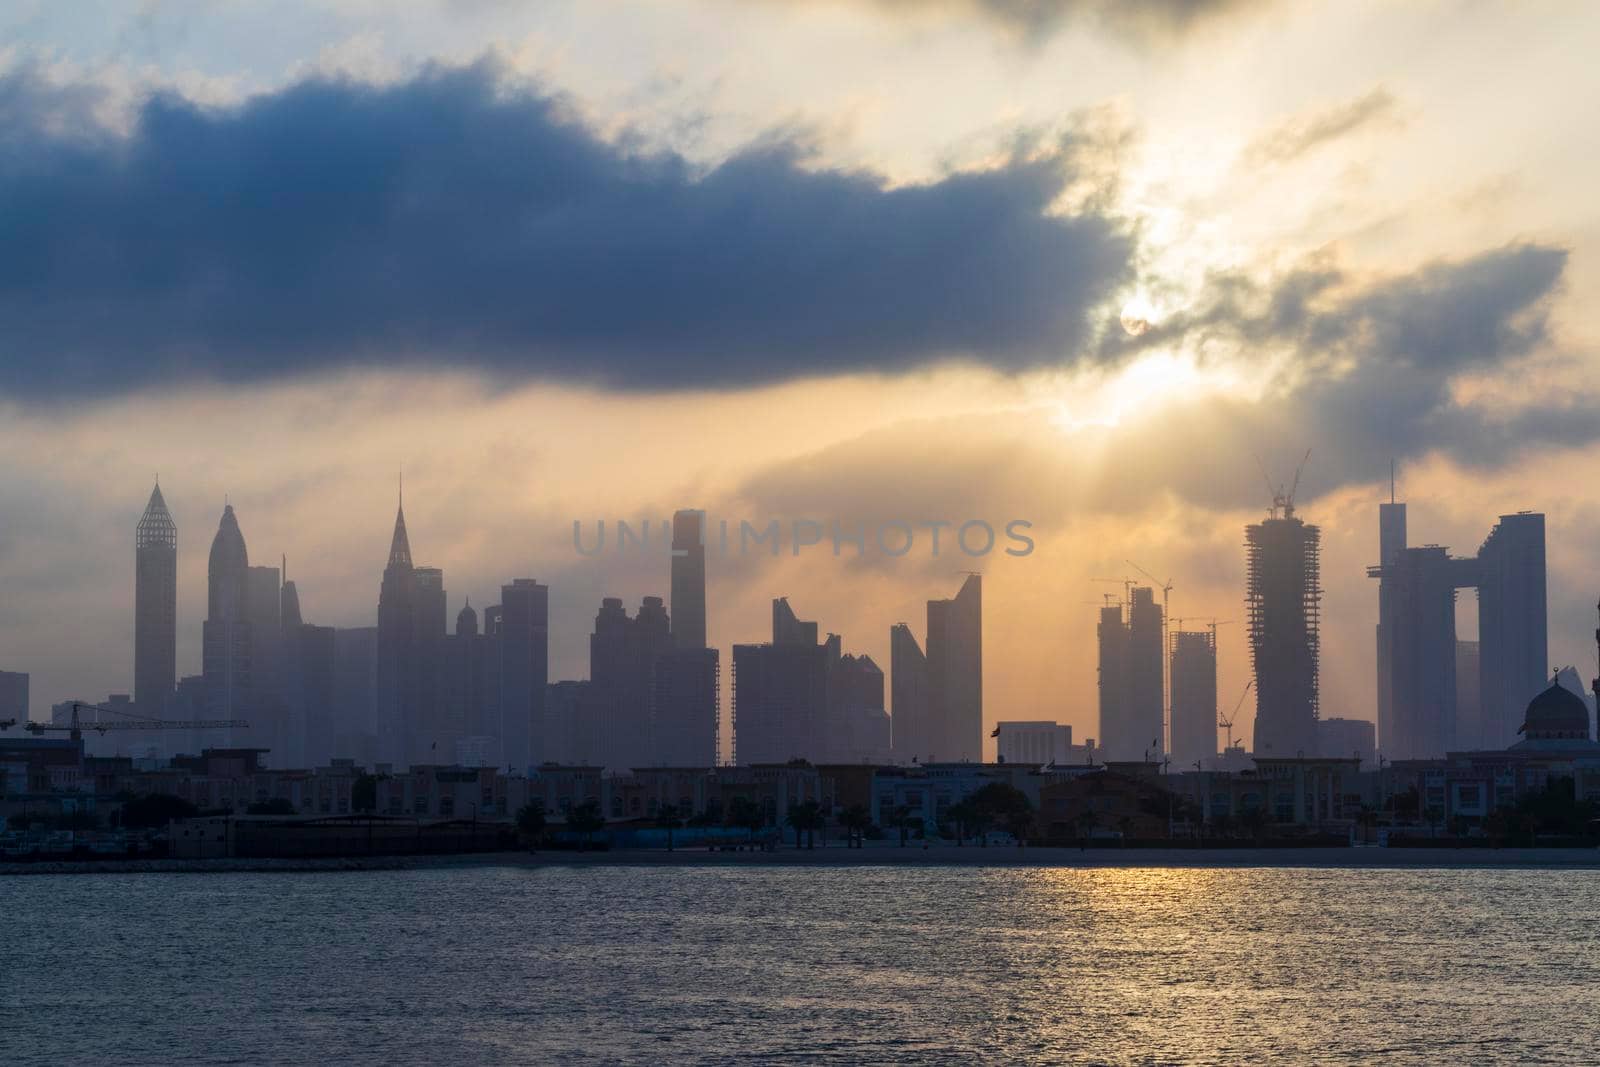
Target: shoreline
[[873, 856]]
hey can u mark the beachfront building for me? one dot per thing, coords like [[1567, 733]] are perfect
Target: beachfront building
[[1468, 788]]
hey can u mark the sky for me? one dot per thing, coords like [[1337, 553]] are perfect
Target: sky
[[1109, 269]]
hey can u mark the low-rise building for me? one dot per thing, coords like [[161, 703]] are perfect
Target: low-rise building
[[1106, 803], [1033, 741], [1465, 789]]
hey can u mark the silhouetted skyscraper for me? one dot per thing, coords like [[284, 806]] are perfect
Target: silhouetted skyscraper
[[355, 686], [1420, 633], [1391, 544], [225, 635], [1513, 627], [1119, 740], [1423, 708], [310, 694], [14, 696], [1131, 713], [472, 687], [523, 637], [1283, 597], [908, 681], [396, 666], [688, 580], [411, 630], [1416, 634], [1469, 708], [269, 705], [289, 601], [434, 737], [797, 698], [955, 673], [1194, 697], [566, 703], [155, 611], [622, 659], [780, 692], [684, 708], [1145, 711], [857, 727], [685, 712]]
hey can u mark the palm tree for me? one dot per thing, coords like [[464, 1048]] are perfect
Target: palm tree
[[1435, 817], [816, 819], [1002, 803], [1254, 820], [667, 818], [855, 819], [1366, 818], [1019, 824], [807, 817], [960, 815], [585, 819], [746, 813], [531, 821], [1086, 824], [364, 793], [902, 819]]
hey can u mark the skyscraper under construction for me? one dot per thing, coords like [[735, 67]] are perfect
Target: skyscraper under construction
[[1283, 597]]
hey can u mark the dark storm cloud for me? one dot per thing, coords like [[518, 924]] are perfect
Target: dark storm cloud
[[1370, 368], [1367, 374], [454, 217]]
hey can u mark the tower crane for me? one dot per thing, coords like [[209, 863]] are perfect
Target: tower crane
[[1226, 723], [1126, 583], [1283, 499], [76, 728]]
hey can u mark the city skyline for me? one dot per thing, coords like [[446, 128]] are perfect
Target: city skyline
[[1194, 259], [780, 530], [240, 610]]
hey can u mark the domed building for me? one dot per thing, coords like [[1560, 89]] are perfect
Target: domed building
[[1557, 742], [1557, 720]]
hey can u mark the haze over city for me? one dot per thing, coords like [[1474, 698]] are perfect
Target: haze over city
[[728, 531], [1085, 275]]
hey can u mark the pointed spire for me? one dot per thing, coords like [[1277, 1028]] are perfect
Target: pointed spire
[[400, 545], [156, 528]]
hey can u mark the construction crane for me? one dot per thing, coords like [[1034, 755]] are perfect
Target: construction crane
[[1283, 499], [76, 728], [1126, 583], [1227, 723]]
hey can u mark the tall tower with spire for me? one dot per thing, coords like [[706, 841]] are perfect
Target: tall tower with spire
[[396, 668], [155, 607], [411, 631], [225, 636]]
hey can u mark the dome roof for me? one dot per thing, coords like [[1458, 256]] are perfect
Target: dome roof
[[1556, 714]]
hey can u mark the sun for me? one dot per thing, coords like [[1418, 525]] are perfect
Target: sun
[[1138, 315]]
